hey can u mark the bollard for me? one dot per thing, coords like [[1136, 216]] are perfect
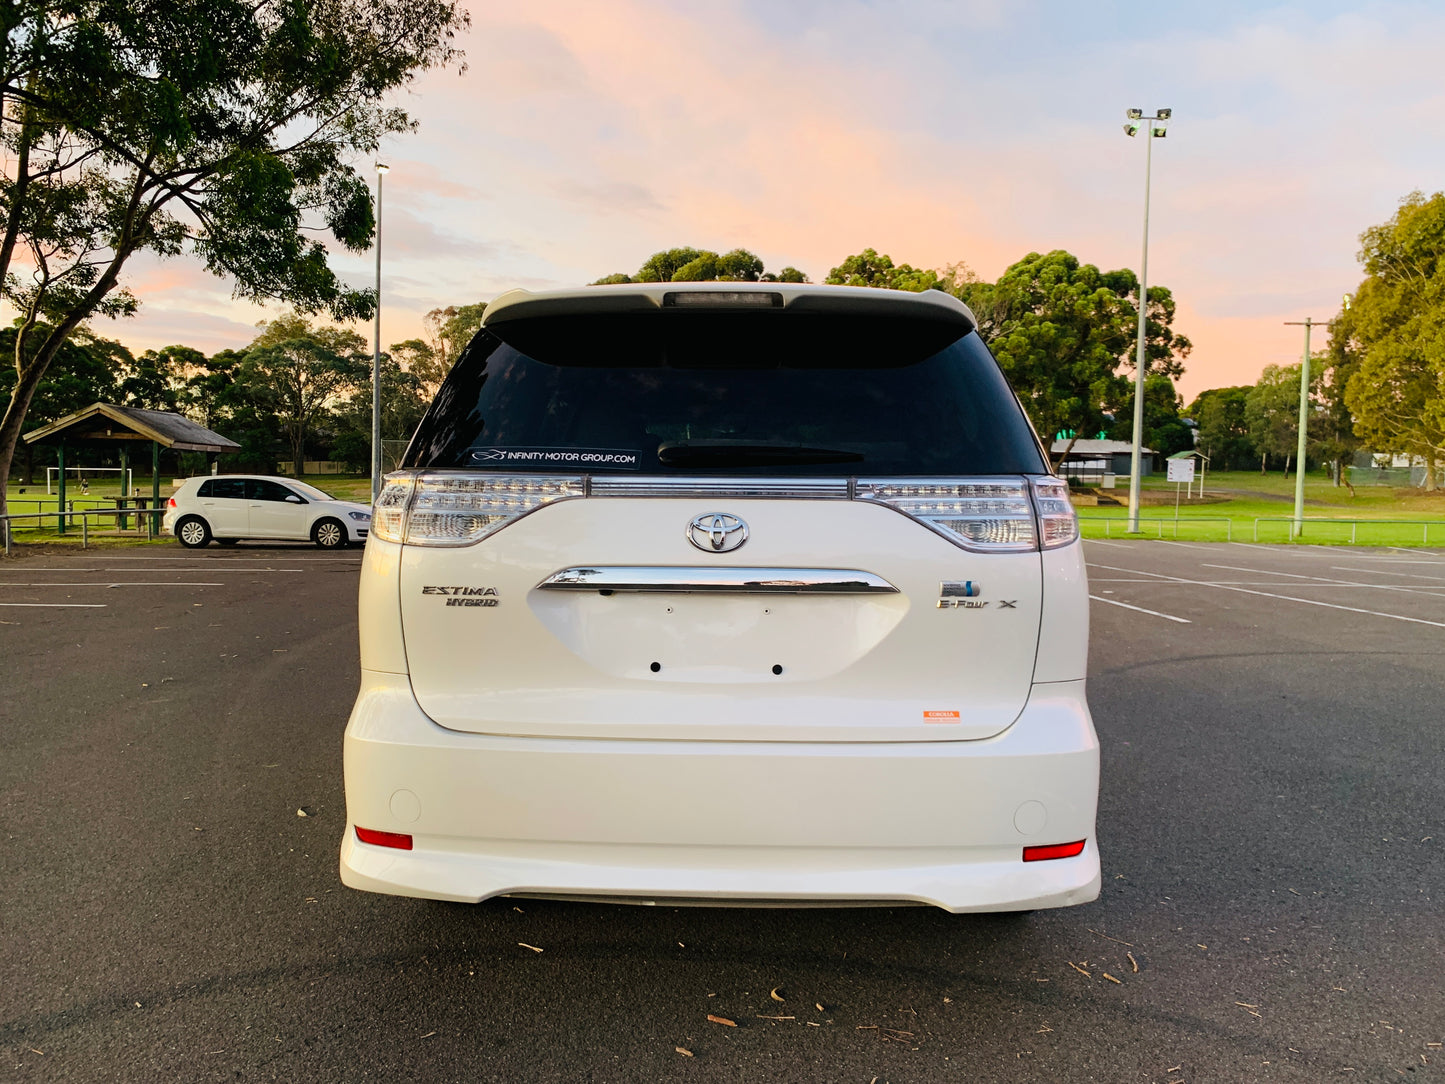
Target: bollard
[[6, 528], [85, 532]]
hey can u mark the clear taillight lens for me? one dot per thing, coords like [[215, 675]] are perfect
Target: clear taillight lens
[[1058, 523], [459, 509], [388, 515], [993, 515]]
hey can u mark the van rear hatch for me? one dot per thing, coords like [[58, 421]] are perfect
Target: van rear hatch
[[724, 523]]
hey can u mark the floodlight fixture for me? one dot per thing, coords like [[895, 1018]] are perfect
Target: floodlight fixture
[[1135, 114], [382, 167], [1131, 129], [1160, 132], [1163, 114]]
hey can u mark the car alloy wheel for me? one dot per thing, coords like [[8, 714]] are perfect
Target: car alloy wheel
[[193, 532], [328, 534]]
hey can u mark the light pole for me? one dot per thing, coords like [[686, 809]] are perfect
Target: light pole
[[1298, 527], [1155, 131], [381, 168]]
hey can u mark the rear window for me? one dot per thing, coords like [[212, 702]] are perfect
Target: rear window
[[737, 393]]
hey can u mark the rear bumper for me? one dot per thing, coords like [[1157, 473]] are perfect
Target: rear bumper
[[941, 823]]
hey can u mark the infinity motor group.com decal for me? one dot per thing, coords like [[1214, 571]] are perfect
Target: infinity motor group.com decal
[[559, 457]]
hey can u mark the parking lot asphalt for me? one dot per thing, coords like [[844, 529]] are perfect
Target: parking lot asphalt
[[1272, 825]]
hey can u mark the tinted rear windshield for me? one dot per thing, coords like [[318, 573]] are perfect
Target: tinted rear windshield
[[739, 393]]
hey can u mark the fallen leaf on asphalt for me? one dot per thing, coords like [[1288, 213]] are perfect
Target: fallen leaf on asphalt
[[302, 812], [684, 1051], [524, 944], [1080, 970], [762, 1016], [1111, 978], [1246, 1005], [1133, 961], [723, 1020], [775, 995], [819, 1005], [428, 1035]]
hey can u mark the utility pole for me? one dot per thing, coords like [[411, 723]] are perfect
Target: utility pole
[[1298, 527], [1136, 457], [381, 169]]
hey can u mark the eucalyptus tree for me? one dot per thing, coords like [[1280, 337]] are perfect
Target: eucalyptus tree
[[227, 130]]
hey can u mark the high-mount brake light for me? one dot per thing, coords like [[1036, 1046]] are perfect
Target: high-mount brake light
[[1058, 523], [460, 509], [987, 514], [722, 299], [1054, 850]]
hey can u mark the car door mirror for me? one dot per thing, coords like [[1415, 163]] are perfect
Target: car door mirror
[[291, 498]]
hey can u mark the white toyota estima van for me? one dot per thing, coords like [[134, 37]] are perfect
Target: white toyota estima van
[[726, 593]]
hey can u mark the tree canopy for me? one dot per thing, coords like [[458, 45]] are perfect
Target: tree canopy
[[1393, 335], [701, 265], [221, 129], [1064, 333]]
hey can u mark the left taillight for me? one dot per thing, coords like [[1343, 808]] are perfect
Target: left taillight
[[388, 515], [460, 509], [171, 503]]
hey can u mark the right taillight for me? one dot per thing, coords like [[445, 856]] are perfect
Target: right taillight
[[992, 514], [1058, 523]]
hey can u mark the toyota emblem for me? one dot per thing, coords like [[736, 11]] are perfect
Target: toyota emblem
[[717, 532]]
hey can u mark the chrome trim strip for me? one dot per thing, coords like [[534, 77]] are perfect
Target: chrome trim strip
[[611, 485], [707, 580]]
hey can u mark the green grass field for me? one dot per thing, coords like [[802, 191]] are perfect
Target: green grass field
[[1245, 506]]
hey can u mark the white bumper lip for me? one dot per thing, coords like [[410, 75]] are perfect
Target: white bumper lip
[[720, 822]]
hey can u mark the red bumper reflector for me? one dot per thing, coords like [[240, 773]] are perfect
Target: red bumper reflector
[[400, 840], [1053, 850]]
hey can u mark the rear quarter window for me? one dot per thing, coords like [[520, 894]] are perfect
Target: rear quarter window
[[738, 393]]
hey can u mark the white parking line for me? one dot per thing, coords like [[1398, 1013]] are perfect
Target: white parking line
[[1373, 572], [1286, 598], [128, 583], [1101, 542], [60, 605], [175, 558], [1332, 581], [1140, 609], [1429, 592]]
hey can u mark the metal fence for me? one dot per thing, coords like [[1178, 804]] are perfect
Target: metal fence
[[152, 522], [1423, 524], [1160, 521]]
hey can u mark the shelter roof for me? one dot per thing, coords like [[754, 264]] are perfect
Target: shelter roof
[[1097, 447], [106, 421]]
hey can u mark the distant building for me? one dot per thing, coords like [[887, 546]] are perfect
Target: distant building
[[1093, 460]]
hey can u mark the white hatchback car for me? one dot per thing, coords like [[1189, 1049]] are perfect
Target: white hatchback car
[[230, 507], [735, 593]]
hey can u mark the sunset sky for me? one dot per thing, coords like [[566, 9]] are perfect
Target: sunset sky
[[584, 136]]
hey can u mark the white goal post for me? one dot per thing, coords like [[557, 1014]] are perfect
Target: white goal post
[[128, 480]]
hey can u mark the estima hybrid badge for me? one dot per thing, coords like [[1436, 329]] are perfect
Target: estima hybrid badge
[[717, 532]]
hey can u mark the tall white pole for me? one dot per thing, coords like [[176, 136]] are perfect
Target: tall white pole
[[376, 355], [1304, 416], [1135, 457]]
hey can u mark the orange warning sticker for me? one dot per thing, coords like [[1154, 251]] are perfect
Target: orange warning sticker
[[941, 717]]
